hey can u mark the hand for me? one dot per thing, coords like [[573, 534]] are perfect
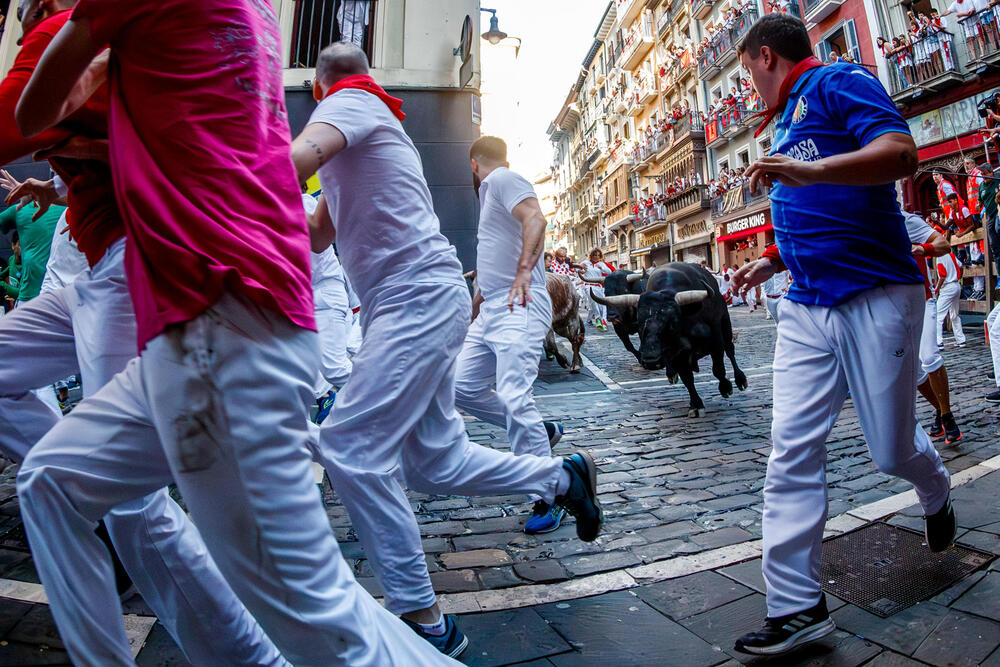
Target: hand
[[43, 193], [753, 274], [782, 169], [519, 291], [918, 250]]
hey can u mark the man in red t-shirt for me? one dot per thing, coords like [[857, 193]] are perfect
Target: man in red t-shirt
[[218, 271], [90, 326]]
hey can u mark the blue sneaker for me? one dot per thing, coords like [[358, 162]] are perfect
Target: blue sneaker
[[544, 519], [452, 643], [555, 432], [325, 404]]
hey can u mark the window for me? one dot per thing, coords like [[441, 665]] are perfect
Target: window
[[723, 164], [841, 40], [319, 23], [744, 157]]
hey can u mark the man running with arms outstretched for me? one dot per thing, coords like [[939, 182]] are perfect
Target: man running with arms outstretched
[[851, 320], [397, 414], [218, 269]]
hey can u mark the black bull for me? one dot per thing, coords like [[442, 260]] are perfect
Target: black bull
[[682, 317]]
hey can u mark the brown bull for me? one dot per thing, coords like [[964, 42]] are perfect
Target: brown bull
[[566, 320]]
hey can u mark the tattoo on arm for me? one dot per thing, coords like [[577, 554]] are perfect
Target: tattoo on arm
[[320, 160]]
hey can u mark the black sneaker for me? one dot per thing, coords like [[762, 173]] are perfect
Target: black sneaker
[[782, 634], [580, 499], [452, 643], [940, 527], [991, 375], [951, 431], [555, 432], [123, 583], [937, 428], [994, 397]]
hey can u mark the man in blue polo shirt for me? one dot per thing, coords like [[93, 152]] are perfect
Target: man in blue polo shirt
[[851, 320]]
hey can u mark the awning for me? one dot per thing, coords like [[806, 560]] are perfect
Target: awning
[[621, 223], [640, 252], [745, 232]]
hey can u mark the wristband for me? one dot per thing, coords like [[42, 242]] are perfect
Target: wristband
[[771, 253], [928, 249]]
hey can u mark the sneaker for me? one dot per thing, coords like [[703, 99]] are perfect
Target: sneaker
[[993, 397], [544, 519], [580, 499], [991, 375], [940, 527], [782, 634], [604, 325], [555, 432], [952, 432], [325, 404], [452, 643], [937, 428]]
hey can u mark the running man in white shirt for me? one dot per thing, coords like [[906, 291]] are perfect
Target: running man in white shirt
[[594, 271], [397, 416], [948, 289], [499, 360]]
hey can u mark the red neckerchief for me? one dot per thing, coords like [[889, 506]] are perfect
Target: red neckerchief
[[785, 90], [365, 82]]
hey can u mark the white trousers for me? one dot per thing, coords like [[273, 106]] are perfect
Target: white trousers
[[597, 310], [993, 329], [332, 315], [751, 298], [226, 395], [90, 325], [947, 306], [354, 333], [397, 418], [772, 304], [820, 355], [930, 355], [498, 365]]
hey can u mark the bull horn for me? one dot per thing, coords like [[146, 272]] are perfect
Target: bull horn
[[691, 296], [596, 280], [620, 301], [633, 277]]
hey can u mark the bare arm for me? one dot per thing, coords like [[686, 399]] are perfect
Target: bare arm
[[939, 246], [885, 159], [321, 231], [316, 146], [529, 214], [48, 93]]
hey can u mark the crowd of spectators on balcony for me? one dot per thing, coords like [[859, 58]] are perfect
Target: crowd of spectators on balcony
[[926, 49], [741, 101], [727, 21]]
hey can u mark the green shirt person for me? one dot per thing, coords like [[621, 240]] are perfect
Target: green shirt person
[[10, 276], [36, 240]]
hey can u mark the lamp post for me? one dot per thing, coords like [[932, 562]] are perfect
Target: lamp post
[[494, 35]]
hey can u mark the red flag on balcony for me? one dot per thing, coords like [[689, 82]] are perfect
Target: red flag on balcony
[[711, 132]]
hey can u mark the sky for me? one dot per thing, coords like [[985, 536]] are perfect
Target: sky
[[555, 37]]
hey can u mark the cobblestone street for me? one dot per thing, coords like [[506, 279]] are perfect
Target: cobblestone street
[[674, 577]]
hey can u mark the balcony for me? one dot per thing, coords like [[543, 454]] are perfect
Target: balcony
[[817, 10], [687, 128], [701, 9], [687, 202], [638, 42], [647, 92], [651, 218], [733, 122], [939, 72], [736, 199], [721, 51], [619, 103], [628, 10], [984, 48]]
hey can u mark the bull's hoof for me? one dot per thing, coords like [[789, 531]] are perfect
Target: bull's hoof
[[741, 381], [673, 378], [562, 362], [575, 369], [725, 388], [696, 412]]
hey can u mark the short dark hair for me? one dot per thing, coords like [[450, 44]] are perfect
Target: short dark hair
[[489, 149], [339, 60], [951, 196], [782, 33]]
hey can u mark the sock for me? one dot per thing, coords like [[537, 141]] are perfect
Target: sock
[[562, 486], [436, 629]]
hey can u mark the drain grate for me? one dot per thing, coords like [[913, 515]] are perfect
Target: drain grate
[[884, 569]]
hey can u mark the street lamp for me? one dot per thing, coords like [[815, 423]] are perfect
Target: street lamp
[[494, 35]]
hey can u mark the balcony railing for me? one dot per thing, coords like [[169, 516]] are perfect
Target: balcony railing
[[694, 195], [736, 199], [982, 34], [723, 42], [316, 24], [922, 62]]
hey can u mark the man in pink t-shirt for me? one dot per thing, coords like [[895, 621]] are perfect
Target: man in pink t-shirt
[[218, 269]]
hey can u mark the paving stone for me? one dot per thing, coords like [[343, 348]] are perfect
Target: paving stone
[[610, 628], [11, 613], [497, 577], [959, 639], [657, 551], [983, 599], [449, 504], [902, 632], [486, 540], [445, 528], [506, 637], [478, 558], [722, 537], [693, 594], [980, 540], [36, 627], [723, 625], [160, 650], [952, 593], [671, 530], [16, 653], [890, 659], [600, 562], [455, 581], [748, 573], [540, 571]]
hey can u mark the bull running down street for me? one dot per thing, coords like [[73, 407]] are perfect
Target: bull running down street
[[672, 487]]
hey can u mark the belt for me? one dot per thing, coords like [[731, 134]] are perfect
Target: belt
[[774, 296], [356, 310], [595, 284]]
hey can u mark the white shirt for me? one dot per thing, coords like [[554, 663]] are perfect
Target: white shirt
[[947, 268], [66, 262], [594, 271], [325, 265], [501, 238], [387, 232], [778, 284]]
